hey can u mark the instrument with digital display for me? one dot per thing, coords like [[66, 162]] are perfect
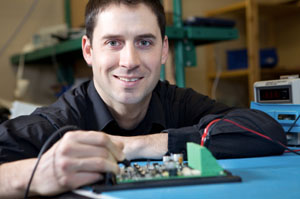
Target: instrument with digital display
[[281, 100], [286, 91]]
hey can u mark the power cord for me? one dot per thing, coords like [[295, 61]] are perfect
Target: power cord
[[294, 123], [110, 178], [60, 131]]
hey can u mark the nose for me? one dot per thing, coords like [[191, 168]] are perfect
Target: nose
[[129, 57]]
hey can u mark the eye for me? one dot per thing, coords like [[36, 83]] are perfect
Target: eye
[[113, 43], [144, 43]]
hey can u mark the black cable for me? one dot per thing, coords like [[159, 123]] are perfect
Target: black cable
[[44, 148], [293, 124], [291, 150]]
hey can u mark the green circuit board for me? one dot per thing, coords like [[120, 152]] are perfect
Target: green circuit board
[[201, 168]]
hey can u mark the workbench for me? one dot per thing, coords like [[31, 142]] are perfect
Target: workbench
[[262, 177]]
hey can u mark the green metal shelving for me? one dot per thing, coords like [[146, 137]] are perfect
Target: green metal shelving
[[206, 35], [47, 52], [185, 38]]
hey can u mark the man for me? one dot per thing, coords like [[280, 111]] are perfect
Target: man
[[124, 112]]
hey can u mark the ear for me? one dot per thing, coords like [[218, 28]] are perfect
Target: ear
[[87, 49], [165, 50]]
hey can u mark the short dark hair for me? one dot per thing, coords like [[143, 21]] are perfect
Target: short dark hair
[[95, 6]]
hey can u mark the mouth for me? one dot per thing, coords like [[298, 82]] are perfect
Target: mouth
[[128, 79]]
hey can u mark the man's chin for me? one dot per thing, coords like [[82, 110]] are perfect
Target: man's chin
[[132, 99]]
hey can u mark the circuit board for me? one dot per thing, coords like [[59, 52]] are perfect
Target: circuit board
[[201, 168]]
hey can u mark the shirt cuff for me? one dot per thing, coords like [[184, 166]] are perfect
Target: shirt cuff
[[177, 138]]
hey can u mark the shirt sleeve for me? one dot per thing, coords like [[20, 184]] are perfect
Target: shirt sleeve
[[229, 137], [22, 137], [227, 140]]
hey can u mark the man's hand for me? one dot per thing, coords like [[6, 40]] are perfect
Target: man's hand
[[152, 146], [79, 158]]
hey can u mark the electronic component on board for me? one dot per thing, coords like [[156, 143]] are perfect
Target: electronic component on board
[[201, 168]]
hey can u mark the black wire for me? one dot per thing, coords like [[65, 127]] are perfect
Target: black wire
[[291, 150], [44, 148], [293, 124]]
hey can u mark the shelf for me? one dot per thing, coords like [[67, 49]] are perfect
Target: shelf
[[280, 71], [199, 34], [236, 7], [264, 71], [278, 10], [45, 54], [230, 74], [256, 14], [267, 8], [210, 34]]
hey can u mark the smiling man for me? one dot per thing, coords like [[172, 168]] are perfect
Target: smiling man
[[126, 60], [124, 112]]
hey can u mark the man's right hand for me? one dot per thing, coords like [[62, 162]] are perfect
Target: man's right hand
[[78, 158]]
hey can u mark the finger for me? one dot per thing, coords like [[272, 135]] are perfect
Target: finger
[[116, 148], [100, 165], [119, 144], [96, 139], [84, 151], [80, 179]]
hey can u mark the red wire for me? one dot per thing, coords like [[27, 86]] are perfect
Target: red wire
[[291, 151], [252, 131], [247, 129], [236, 124], [206, 131]]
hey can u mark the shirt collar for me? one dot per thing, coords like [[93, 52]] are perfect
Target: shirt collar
[[101, 114], [155, 113]]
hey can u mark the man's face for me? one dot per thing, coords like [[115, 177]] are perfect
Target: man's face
[[126, 53]]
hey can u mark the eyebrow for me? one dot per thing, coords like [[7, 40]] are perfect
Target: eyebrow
[[142, 36], [147, 36]]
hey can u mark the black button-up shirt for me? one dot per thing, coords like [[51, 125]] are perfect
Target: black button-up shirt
[[180, 112]]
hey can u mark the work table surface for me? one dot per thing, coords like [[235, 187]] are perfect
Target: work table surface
[[262, 177]]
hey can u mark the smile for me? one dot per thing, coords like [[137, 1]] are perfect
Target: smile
[[129, 79]]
